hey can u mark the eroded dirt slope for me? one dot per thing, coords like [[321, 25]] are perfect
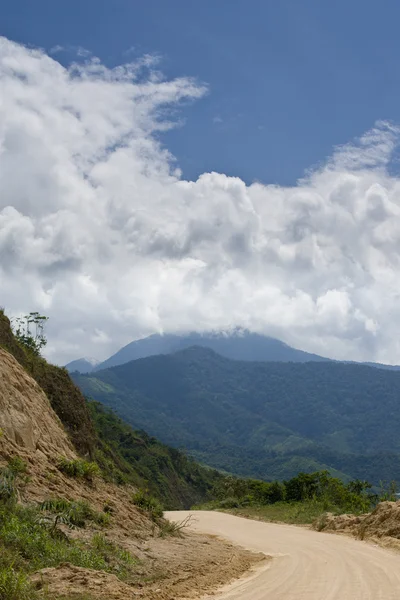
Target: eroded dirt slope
[[381, 525], [28, 423]]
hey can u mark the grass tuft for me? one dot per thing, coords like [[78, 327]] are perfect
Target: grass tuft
[[15, 585], [73, 514]]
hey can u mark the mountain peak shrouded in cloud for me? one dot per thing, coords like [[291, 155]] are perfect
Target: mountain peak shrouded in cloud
[[99, 231], [237, 344]]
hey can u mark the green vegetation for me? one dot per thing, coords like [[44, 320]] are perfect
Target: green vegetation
[[73, 514], [149, 504], [30, 539], [14, 585], [32, 544], [11, 478], [29, 332], [17, 465], [294, 513], [129, 456], [264, 420], [78, 468], [154, 510], [299, 500]]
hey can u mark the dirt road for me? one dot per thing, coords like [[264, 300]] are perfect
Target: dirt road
[[305, 564]]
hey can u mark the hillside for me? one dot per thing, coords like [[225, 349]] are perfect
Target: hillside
[[238, 345], [67, 530], [261, 419], [141, 460], [97, 435]]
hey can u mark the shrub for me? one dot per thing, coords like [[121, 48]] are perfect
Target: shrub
[[17, 465], [91, 470], [149, 504], [78, 468], [102, 518]]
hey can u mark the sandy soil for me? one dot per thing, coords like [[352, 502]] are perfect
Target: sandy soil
[[305, 564], [169, 568], [381, 526]]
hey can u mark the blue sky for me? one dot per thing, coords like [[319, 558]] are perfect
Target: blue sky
[[288, 79]]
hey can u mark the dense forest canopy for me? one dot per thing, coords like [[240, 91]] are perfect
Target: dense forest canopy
[[268, 420]]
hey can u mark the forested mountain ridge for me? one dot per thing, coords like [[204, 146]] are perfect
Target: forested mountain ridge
[[261, 419]]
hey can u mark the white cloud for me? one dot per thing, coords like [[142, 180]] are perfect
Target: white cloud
[[99, 231]]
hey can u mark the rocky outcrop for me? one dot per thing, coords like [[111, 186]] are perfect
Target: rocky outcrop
[[28, 424]]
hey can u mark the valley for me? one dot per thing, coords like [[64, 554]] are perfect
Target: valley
[[268, 420]]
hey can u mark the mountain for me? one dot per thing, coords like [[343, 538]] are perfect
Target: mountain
[[82, 365], [238, 345], [262, 419]]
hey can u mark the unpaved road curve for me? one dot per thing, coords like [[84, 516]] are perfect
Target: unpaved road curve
[[305, 565]]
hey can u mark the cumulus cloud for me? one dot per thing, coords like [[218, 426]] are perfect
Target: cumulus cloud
[[99, 231]]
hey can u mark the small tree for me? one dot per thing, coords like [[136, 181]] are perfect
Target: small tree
[[388, 491], [29, 331]]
